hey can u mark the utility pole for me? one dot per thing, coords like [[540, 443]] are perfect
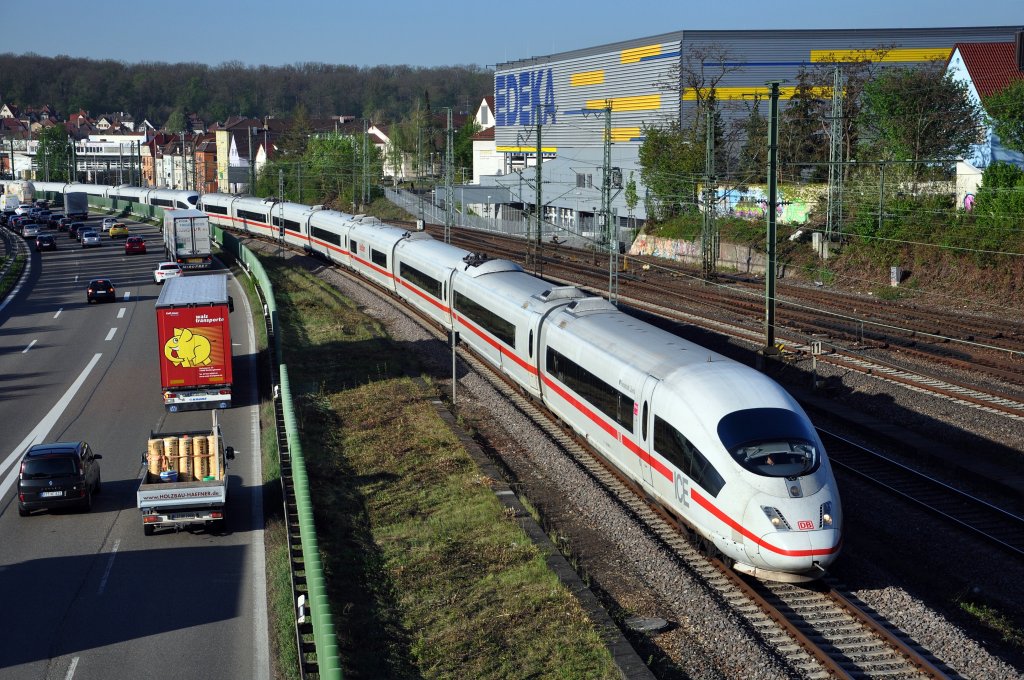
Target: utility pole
[[280, 193], [449, 189], [773, 190], [610, 233], [834, 226], [709, 236], [538, 257], [365, 185]]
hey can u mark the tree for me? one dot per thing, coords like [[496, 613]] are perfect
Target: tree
[[803, 129], [1005, 113], [753, 159], [631, 197], [175, 122], [53, 156], [296, 137], [918, 114], [463, 151], [671, 163]]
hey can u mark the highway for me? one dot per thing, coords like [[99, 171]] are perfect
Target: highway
[[86, 595]]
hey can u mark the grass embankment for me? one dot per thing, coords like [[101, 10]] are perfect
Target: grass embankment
[[11, 276], [427, 576]]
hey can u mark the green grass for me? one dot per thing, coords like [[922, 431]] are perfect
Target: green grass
[[12, 275], [427, 575]]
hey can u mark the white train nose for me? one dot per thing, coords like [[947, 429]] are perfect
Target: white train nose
[[793, 552]]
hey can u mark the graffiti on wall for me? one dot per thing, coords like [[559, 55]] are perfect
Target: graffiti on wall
[[752, 204]]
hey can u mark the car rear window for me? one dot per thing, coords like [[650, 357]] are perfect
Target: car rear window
[[41, 468]]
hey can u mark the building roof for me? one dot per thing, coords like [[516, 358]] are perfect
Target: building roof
[[484, 135], [992, 66]]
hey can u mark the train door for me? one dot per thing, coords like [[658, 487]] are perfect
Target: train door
[[643, 428]]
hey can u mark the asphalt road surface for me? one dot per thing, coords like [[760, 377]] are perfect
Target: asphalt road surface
[[86, 595]]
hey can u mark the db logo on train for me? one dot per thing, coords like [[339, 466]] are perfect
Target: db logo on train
[[805, 525]]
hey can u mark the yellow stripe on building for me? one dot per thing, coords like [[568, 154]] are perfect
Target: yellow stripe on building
[[761, 91], [632, 56], [526, 149], [587, 78], [902, 54], [645, 102], [625, 134]]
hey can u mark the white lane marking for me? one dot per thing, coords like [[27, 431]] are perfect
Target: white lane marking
[[71, 669], [45, 425], [110, 563], [120, 312], [58, 312], [29, 347], [127, 294], [110, 335]]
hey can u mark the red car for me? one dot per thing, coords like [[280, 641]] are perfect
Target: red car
[[134, 244]]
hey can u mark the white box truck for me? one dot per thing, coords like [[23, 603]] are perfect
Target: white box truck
[[187, 238]]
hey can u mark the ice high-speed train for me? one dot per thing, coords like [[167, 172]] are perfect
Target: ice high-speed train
[[720, 444]]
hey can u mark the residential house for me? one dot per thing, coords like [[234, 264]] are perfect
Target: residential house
[[986, 68]]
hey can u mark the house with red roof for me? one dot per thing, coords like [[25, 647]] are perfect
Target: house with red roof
[[986, 68]]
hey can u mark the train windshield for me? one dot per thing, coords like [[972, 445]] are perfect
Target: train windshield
[[770, 441]]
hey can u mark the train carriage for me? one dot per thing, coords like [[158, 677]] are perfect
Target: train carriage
[[218, 208], [173, 199], [290, 221], [371, 247], [423, 269], [328, 235], [252, 215]]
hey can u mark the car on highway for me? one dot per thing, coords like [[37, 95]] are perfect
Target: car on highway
[[6, 216], [100, 289], [166, 270], [58, 475], [134, 244], [108, 222], [118, 230], [74, 228], [45, 242], [54, 220], [62, 225], [89, 238], [30, 230]]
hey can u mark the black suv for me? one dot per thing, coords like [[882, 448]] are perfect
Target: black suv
[[58, 475]]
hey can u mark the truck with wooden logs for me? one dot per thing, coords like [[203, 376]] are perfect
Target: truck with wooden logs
[[184, 482]]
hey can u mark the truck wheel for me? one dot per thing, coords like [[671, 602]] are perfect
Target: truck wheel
[[147, 529]]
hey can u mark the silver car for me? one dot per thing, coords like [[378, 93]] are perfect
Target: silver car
[[90, 238], [108, 222], [30, 230]]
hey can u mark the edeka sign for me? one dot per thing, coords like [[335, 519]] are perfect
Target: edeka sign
[[517, 96]]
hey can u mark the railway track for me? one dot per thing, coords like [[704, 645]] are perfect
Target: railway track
[[995, 525]]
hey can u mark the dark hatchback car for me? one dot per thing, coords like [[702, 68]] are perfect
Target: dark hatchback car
[[100, 290], [73, 229], [63, 224], [58, 475], [45, 242], [54, 219]]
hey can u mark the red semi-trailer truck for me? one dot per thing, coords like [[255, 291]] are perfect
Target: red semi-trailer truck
[[194, 342]]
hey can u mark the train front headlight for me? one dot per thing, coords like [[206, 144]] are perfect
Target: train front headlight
[[775, 517], [826, 515]]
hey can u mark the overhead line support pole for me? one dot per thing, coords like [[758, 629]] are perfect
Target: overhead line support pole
[[773, 195]]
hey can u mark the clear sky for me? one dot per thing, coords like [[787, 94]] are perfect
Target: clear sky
[[422, 33]]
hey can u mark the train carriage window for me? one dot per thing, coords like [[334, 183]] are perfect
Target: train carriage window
[[380, 259], [216, 209], [353, 246], [424, 281], [252, 216], [325, 235], [604, 397], [486, 319], [290, 225], [677, 449]]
